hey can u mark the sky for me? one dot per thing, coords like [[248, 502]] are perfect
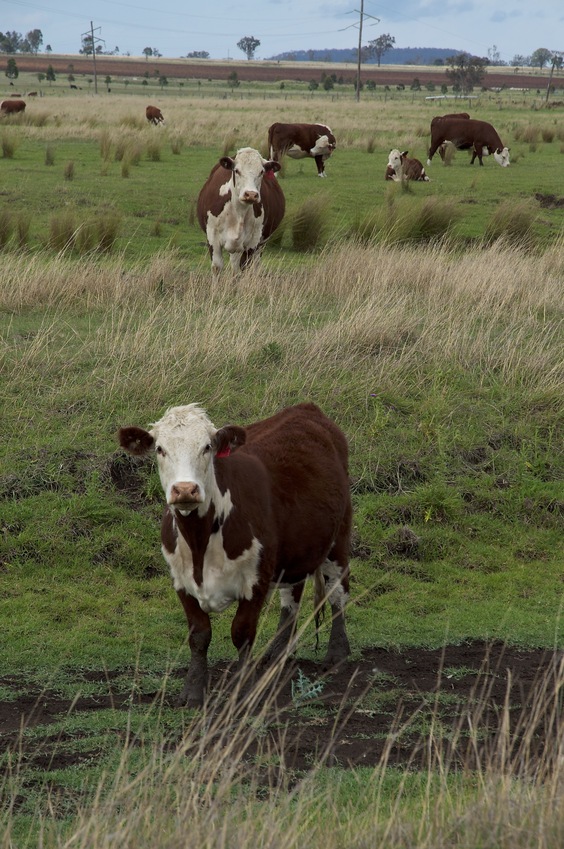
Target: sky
[[178, 27]]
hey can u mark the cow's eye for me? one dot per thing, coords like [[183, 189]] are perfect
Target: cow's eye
[[161, 451], [207, 448]]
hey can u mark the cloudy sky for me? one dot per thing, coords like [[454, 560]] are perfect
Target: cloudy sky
[[177, 27]]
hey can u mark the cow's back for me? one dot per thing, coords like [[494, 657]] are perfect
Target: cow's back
[[305, 456]]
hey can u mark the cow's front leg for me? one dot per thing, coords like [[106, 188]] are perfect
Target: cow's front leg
[[320, 166], [199, 625]]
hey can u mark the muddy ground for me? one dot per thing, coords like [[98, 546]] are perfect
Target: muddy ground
[[387, 705]]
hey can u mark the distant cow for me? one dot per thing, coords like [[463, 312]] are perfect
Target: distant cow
[[442, 147], [250, 509], [154, 115], [12, 107], [403, 167], [466, 134], [301, 140], [240, 205], [31, 94]]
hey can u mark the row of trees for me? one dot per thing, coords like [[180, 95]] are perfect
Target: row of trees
[[15, 42]]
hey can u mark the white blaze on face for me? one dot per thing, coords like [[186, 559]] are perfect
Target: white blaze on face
[[394, 162], [248, 172], [502, 157], [183, 444], [322, 147]]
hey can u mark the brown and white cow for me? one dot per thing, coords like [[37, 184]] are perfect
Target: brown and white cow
[[300, 140], [240, 205], [154, 115], [12, 107], [466, 134], [251, 509], [403, 167]]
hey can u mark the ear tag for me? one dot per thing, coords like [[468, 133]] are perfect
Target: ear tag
[[225, 453]]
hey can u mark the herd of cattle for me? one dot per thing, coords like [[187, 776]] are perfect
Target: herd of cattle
[[241, 203]]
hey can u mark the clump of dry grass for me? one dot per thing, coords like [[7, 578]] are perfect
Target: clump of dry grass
[[9, 146], [309, 223], [69, 170], [154, 150], [6, 227], [398, 223], [513, 222]]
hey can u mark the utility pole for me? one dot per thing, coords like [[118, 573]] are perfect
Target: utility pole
[[362, 15], [93, 39]]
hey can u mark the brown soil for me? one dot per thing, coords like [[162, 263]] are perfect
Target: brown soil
[[381, 705], [116, 66]]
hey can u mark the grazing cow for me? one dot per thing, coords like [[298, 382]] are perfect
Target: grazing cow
[[240, 205], [301, 140], [403, 167], [250, 509], [31, 94], [466, 133], [11, 107], [154, 115]]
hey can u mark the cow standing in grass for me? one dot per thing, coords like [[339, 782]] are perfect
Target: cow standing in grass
[[12, 107], [250, 509], [240, 205], [301, 140], [466, 134], [154, 115]]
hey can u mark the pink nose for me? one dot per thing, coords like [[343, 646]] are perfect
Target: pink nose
[[185, 492], [250, 197]]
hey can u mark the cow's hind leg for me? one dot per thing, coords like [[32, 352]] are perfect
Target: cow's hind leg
[[336, 573], [284, 641]]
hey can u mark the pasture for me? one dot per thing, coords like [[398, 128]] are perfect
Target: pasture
[[442, 360]]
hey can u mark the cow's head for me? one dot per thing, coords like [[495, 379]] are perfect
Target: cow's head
[[324, 146], [501, 156], [248, 168], [185, 443], [395, 160]]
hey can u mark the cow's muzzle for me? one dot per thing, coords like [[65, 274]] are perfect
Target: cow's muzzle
[[185, 495], [250, 197]]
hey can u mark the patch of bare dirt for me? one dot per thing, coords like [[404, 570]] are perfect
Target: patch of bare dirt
[[383, 705]]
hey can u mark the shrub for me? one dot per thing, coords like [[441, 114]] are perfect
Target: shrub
[[69, 170], [176, 144], [23, 224], [154, 151], [8, 147], [513, 222], [62, 230], [309, 222], [547, 134], [105, 145], [108, 231]]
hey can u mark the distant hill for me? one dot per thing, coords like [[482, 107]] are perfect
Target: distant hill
[[394, 56]]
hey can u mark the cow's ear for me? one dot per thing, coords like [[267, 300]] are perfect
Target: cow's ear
[[272, 165], [228, 438], [404, 153], [135, 440], [227, 162]]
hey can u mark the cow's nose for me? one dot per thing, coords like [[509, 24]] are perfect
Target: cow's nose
[[250, 197], [185, 492]]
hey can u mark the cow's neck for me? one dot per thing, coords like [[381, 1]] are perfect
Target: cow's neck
[[196, 530]]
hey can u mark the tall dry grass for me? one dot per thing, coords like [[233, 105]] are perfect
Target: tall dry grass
[[226, 781], [377, 313]]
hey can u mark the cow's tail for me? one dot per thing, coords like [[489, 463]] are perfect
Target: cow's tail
[[319, 599]]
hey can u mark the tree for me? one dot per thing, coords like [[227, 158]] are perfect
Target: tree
[[541, 57], [87, 45], [494, 56], [381, 45], [198, 54], [50, 75], [465, 71], [556, 62], [34, 40], [48, 49], [10, 42], [147, 51], [12, 69], [233, 80], [248, 44]]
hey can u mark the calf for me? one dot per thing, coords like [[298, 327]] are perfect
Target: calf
[[301, 140], [154, 115], [240, 205], [250, 509], [403, 167], [466, 134]]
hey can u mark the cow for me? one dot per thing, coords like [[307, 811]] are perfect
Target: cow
[[240, 205], [154, 115], [301, 140], [31, 94], [248, 510], [12, 107], [466, 134], [403, 167], [443, 147]]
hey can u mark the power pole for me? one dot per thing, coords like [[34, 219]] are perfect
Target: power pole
[[93, 39], [362, 15]]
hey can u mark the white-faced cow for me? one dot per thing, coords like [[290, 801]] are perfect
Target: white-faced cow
[[466, 134], [300, 140], [240, 205], [154, 115], [403, 167], [12, 107], [250, 509]]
